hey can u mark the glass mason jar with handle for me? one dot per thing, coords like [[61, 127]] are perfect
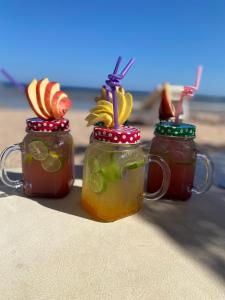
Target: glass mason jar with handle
[[175, 143], [113, 179], [47, 159]]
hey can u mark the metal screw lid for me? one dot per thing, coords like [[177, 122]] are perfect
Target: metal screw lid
[[175, 130]]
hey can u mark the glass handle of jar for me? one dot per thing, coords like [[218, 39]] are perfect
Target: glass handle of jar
[[208, 180], [166, 178], [3, 174]]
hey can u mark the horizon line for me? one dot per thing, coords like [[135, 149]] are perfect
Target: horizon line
[[98, 88]]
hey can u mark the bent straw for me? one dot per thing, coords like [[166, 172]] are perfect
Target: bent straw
[[113, 82], [115, 108], [198, 77], [18, 85], [128, 66], [117, 65], [188, 91]]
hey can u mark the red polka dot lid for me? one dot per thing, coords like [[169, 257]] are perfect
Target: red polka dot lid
[[36, 124], [123, 135]]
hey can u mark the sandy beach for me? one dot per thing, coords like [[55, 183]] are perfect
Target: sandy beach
[[210, 135]]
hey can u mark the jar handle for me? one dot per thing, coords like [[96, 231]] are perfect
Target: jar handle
[[3, 174], [166, 178], [208, 180]]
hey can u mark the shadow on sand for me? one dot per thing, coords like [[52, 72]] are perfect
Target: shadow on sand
[[69, 204], [197, 226]]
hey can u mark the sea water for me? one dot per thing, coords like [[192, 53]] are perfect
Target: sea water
[[84, 98]]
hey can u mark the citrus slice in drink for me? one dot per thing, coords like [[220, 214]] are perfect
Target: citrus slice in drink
[[28, 158], [93, 164], [38, 150], [109, 166], [112, 171], [105, 158], [135, 164], [52, 163], [97, 182]]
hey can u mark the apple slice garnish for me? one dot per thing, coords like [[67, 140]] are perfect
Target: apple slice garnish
[[32, 99], [41, 87], [166, 110], [60, 104], [50, 91]]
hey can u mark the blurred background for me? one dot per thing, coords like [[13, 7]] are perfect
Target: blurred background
[[77, 43]]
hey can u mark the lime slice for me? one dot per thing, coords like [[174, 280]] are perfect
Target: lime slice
[[93, 164], [38, 150], [110, 167], [28, 158], [135, 164], [97, 182], [112, 171], [52, 163]]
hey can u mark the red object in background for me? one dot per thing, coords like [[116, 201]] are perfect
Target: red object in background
[[166, 109]]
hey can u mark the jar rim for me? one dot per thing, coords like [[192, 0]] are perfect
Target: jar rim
[[175, 137], [123, 147], [47, 132]]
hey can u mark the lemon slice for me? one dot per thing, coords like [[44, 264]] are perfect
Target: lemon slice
[[102, 117], [102, 108], [129, 106], [105, 103], [38, 150], [52, 163], [90, 117], [122, 106], [97, 182], [28, 158]]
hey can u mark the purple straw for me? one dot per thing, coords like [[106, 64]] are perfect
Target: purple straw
[[18, 85], [128, 66], [115, 108], [117, 65], [113, 82]]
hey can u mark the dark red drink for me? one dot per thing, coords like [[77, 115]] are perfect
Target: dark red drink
[[47, 159], [177, 147]]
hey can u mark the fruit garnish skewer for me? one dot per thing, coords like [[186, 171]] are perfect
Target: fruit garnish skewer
[[103, 113], [47, 100]]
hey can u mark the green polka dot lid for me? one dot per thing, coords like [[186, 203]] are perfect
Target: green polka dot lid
[[175, 130]]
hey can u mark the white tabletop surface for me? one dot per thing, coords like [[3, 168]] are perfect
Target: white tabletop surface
[[51, 249]]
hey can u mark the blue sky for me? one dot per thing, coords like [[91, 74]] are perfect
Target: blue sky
[[77, 42]]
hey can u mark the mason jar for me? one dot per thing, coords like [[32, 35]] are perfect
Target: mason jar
[[47, 159], [114, 174], [175, 143]]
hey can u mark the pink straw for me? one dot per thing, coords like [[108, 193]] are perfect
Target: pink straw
[[188, 91], [198, 77]]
